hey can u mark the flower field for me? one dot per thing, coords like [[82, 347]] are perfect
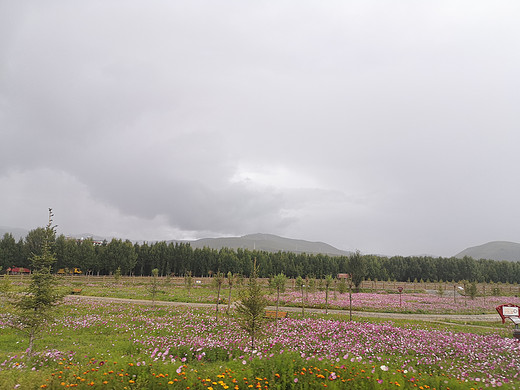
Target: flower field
[[128, 346], [414, 299], [406, 303]]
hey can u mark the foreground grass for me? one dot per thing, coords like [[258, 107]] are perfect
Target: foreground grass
[[118, 346]]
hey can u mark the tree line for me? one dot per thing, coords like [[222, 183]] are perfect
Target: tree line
[[174, 258]]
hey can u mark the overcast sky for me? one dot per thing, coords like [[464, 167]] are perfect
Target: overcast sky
[[391, 127]]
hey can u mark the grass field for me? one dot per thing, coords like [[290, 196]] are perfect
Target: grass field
[[380, 296], [139, 346]]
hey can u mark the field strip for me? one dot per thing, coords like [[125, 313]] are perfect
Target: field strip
[[407, 316]]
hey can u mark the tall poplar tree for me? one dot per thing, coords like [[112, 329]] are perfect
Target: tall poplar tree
[[358, 269]]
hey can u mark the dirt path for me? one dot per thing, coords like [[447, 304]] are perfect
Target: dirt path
[[421, 317]]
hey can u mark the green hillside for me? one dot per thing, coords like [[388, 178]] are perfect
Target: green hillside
[[495, 250]]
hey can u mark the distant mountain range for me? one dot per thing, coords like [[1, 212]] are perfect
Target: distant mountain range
[[261, 242], [494, 250], [16, 232], [268, 243]]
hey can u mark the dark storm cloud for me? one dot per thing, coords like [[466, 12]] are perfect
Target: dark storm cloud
[[391, 128]]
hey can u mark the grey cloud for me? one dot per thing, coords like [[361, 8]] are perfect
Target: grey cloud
[[396, 124]]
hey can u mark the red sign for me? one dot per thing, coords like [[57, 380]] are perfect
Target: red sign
[[506, 311], [400, 289], [19, 270]]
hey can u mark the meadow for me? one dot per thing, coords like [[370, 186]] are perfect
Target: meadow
[[116, 345], [419, 298]]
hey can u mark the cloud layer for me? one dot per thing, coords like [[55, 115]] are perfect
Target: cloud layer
[[389, 128]]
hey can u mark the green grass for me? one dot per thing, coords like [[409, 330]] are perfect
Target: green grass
[[100, 348], [88, 356]]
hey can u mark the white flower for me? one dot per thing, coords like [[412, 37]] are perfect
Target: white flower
[[384, 368]]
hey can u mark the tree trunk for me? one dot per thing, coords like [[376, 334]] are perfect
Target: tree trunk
[[229, 300], [218, 299], [277, 304], [327, 300], [350, 299], [303, 303], [32, 336]]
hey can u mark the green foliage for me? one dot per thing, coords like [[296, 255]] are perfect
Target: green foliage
[[5, 284], [188, 282], [5, 289], [440, 289], [471, 290], [239, 279], [154, 285], [33, 309], [119, 254], [231, 282], [218, 279], [329, 280], [300, 283], [310, 281], [278, 282], [342, 286], [8, 252], [251, 307], [177, 258], [117, 275], [358, 268], [35, 239]]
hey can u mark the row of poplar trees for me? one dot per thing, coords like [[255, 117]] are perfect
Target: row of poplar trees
[[175, 258]]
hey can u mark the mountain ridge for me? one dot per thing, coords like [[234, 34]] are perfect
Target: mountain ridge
[[269, 243], [259, 241], [493, 250]]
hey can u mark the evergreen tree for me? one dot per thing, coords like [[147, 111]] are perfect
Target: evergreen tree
[[117, 275], [251, 307], [5, 288], [7, 251], [472, 290], [33, 309]]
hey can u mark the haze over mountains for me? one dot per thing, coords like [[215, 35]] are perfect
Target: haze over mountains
[[269, 243], [495, 250]]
